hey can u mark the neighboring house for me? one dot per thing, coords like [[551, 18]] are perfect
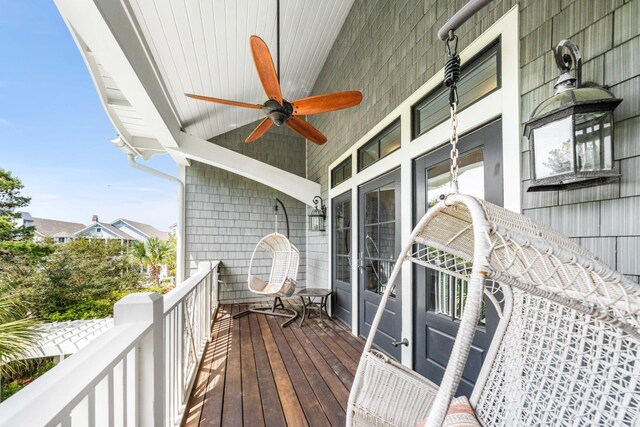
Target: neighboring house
[[125, 230], [59, 231], [101, 230], [139, 230], [25, 219]]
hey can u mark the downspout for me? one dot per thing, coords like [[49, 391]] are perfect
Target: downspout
[[180, 252]]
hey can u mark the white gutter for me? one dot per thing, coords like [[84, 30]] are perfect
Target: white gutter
[[180, 240]]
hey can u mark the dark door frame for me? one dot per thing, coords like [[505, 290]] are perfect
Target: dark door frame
[[392, 320], [482, 137], [337, 285]]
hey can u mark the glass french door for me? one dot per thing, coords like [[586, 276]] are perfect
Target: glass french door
[[438, 297], [379, 247], [341, 243]]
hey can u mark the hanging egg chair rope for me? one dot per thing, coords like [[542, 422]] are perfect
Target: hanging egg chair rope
[[451, 77]]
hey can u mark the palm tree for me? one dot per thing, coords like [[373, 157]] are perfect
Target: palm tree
[[154, 253], [17, 333]]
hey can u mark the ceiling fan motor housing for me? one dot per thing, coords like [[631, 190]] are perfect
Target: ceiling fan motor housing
[[279, 114]]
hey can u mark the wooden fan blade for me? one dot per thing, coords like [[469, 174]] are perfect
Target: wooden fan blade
[[224, 101], [266, 71], [306, 130], [328, 102], [260, 130]]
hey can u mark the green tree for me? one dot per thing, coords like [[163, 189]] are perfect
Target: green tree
[[19, 259], [171, 264], [17, 332], [81, 279], [10, 200], [154, 253]]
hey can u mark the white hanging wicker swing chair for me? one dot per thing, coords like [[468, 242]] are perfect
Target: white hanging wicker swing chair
[[280, 279], [566, 349]]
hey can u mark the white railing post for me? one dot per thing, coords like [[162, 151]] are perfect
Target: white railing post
[[215, 287], [206, 319], [149, 392]]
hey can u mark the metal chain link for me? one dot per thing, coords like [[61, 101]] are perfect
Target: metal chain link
[[451, 77], [454, 147]]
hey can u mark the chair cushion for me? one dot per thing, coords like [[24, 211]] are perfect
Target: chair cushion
[[460, 414]]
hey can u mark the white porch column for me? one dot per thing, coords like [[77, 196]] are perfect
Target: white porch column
[[150, 388]]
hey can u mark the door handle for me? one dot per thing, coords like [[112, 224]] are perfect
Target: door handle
[[403, 342], [361, 261]]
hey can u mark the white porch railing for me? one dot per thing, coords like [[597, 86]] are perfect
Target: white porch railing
[[139, 373]]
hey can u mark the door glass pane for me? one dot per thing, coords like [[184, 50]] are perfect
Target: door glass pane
[[447, 294], [379, 240], [387, 204], [470, 177], [346, 214], [343, 270], [372, 247], [387, 240], [342, 242], [386, 267], [371, 272], [371, 206]]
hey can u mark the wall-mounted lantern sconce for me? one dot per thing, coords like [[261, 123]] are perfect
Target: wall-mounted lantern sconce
[[571, 133], [318, 215]]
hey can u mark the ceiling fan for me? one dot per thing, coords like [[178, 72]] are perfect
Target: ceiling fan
[[277, 109]]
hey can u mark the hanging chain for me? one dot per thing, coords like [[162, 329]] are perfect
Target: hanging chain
[[454, 147], [451, 77]]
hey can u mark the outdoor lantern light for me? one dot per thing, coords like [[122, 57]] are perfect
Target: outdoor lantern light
[[318, 215], [571, 133]]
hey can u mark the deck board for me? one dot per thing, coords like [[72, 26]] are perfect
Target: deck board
[[232, 404], [254, 372]]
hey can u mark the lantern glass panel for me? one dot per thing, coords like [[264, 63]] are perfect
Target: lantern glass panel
[[553, 148], [593, 141]]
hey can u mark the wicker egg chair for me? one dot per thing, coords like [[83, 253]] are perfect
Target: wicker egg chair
[[281, 282], [566, 350]]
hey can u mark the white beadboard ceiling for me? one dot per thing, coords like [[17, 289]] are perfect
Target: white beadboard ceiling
[[202, 47]]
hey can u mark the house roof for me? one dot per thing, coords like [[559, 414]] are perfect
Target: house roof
[[110, 228], [148, 230], [54, 228]]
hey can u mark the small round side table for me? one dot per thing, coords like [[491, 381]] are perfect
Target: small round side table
[[310, 294]]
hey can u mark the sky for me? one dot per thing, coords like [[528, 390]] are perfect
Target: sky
[[54, 132]]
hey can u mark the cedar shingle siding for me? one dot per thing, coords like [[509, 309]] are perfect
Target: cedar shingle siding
[[227, 214], [388, 49]]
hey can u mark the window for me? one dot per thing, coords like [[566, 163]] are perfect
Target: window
[[479, 77], [383, 144], [98, 230], [341, 173]]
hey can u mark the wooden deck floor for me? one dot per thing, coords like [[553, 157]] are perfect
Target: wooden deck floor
[[255, 373]]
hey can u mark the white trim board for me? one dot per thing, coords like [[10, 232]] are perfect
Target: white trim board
[[203, 151], [504, 103]]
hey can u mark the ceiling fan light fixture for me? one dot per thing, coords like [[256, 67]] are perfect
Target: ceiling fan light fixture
[[278, 117]]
